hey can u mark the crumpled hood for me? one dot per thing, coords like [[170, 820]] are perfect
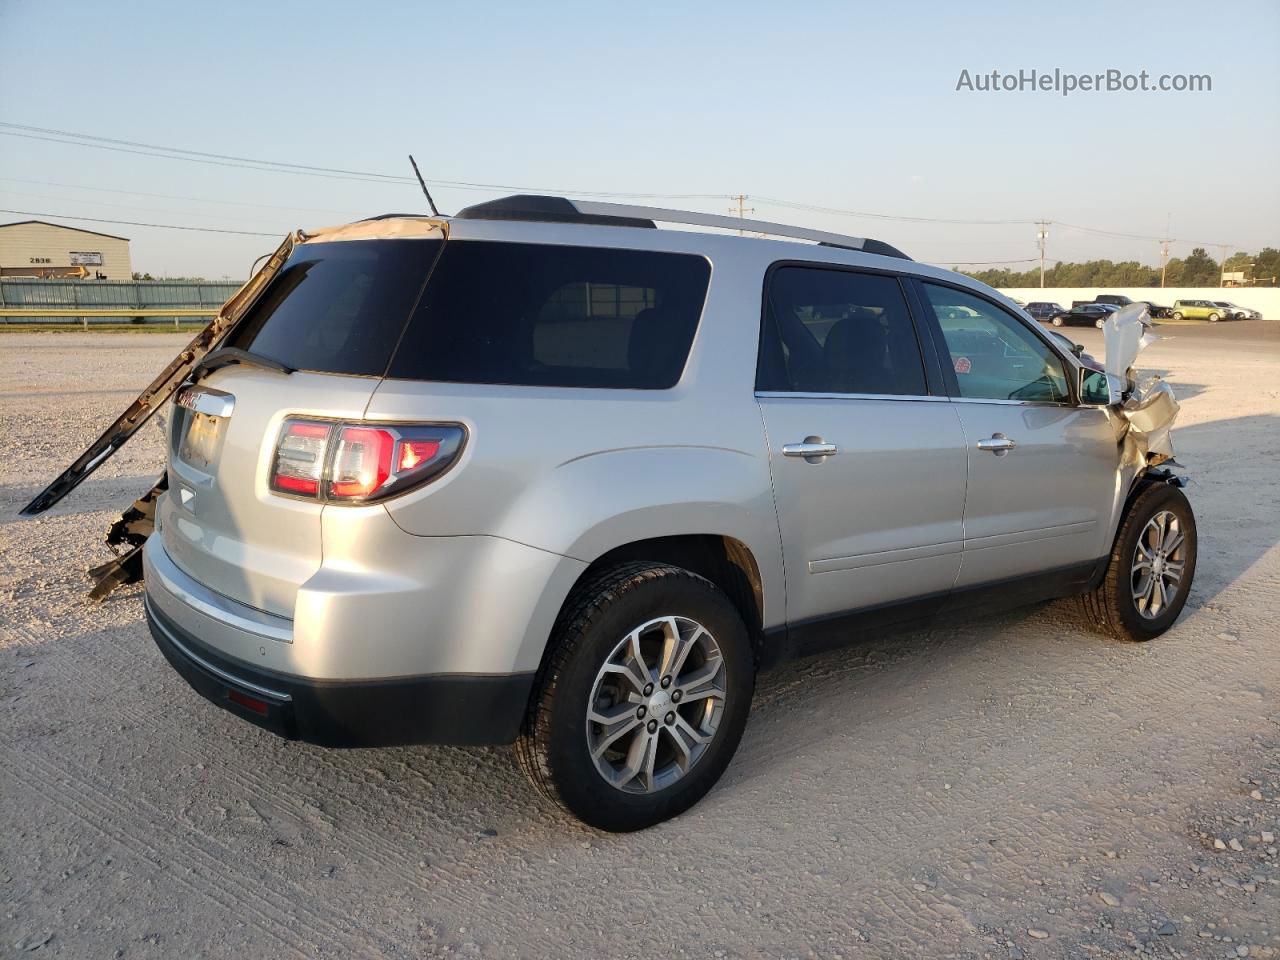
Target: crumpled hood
[[1145, 409]]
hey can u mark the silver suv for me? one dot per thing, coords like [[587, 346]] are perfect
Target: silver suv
[[541, 473]]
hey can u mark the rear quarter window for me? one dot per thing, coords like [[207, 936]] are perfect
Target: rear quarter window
[[546, 315], [338, 307]]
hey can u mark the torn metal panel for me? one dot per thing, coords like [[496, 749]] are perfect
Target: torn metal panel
[[162, 387], [130, 530], [1150, 410], [383, 228], [1145, 410]]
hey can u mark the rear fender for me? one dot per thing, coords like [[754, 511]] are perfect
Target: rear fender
[[591, 505]]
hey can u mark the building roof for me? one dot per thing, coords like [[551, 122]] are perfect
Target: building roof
[[63, 226]]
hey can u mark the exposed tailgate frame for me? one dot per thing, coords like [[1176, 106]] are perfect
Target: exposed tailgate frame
[[135, 524]]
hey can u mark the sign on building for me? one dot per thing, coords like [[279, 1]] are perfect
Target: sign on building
[[81, 258]]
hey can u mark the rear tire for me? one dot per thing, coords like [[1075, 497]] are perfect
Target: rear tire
[[1099, 322], [1129, 603], [678, 747]]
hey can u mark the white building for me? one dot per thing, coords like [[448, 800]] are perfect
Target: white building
[[33, 248]]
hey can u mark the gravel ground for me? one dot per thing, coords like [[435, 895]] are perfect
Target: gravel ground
[[1011, 788]]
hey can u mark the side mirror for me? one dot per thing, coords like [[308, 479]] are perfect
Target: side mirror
[[1077, 349], [1095, 390]]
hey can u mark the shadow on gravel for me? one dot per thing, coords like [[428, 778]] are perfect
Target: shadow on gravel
[[96, 493], [1182, 390]]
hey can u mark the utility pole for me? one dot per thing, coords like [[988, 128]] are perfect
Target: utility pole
[[1041, 236], [1222, 273], [741, 210], [1164, 247]]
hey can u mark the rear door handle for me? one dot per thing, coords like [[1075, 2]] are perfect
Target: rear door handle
[[999, 444], [813, 449]]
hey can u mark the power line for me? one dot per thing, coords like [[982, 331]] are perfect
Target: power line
[[159, 151], [1140, 236], [988, 263], [137, 223], [329, 173], [126, 206], [172, 196], [880, 216]]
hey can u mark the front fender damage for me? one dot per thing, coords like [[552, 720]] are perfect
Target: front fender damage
[[1141, 410]]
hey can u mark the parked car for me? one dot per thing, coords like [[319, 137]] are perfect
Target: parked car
[[1199, 310], [1077, 350], [1092, 314], [1115, 299], [542, 473], [1237, 312], [1044, 310], [1155, 310]]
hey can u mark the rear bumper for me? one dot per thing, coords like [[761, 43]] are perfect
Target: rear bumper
[[451, 708]]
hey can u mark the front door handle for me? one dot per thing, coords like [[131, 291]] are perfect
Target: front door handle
[[813, 449], [999, 444]]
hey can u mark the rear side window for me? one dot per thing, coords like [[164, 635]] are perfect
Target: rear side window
[[837, 331], [543, 315], [338, 307]]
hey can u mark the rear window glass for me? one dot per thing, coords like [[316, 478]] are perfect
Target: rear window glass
[[338, 307], [838, 331], [543, 315]]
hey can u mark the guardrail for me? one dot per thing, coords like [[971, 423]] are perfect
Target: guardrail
[[85, 302]]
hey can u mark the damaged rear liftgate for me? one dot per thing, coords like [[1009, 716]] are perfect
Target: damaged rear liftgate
[[127, 535], [131, 530], [1142, 412]]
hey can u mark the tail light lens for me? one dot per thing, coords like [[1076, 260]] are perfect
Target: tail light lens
[[361, 462], [299, 461]]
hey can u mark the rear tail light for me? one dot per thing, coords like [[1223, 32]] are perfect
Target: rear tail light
[[360, 462], [299, 464]]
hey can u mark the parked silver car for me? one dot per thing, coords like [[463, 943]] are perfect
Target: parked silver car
[[541, 473]]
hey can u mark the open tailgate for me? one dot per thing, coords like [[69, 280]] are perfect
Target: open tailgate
[[135, 524]]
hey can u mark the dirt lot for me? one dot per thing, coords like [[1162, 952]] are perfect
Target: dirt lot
[[1011, 788]]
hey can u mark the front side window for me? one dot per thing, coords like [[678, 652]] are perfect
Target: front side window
[[836, 331], [993, 355], [557, 316]]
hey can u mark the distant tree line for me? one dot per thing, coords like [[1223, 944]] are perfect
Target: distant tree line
[[1197, 270], [147, 276]]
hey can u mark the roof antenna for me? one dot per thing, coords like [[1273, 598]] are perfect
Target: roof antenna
[[418, 174]]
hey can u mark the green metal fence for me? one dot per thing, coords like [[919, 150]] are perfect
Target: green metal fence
[[97, 301]]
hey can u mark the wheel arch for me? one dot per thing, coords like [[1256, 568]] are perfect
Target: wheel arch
[[726, 561]]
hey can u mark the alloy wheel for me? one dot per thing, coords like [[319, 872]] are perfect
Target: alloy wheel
[[656, 704], [1158, 563]]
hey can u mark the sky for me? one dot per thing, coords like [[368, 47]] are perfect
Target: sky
[[846, 106]]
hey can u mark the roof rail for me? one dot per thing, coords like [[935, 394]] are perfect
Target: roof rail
[[563, 210]]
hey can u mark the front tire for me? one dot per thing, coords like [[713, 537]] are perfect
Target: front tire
[[1099, 322], [1213, 318], [1056, 321], [1176, 315], [642, 700], [1150, 570]]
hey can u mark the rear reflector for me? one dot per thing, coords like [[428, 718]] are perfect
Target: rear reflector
[[259, 707], [360, 462]]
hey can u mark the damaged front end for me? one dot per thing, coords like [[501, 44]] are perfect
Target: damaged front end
[[1142, 410]]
